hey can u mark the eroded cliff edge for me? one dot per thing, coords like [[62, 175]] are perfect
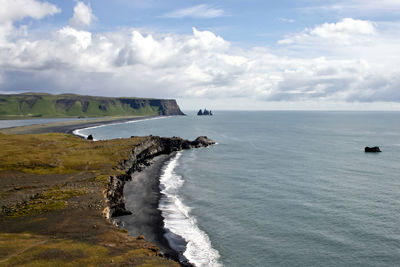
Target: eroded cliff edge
[[139, 159], [52, 199]]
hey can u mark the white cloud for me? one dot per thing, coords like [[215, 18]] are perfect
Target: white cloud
[[83, 16], [14, 10], [347, 31], [358, 7], [199, 11], [132, 62]]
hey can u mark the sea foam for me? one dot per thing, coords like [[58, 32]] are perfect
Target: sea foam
[[178, 220]]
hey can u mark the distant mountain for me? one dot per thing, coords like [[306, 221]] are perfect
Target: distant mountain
[[30, 105]]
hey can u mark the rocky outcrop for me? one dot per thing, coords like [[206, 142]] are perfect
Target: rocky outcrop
[[204, 112], [374, 149], [167, 107], [138, 159]]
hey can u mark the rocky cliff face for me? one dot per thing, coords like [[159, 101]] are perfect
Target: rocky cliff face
[[139, 159], [167, 107]]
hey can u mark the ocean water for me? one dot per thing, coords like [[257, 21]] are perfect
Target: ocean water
[[282, 188]]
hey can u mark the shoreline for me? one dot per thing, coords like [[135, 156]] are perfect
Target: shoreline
[[70, 126], [147, 219], [142, 197]]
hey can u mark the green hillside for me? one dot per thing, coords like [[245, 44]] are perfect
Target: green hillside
[[39, 105]]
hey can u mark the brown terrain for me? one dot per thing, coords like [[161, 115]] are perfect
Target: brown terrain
[[56, 191]]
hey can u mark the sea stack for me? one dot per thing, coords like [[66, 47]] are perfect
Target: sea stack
[[204, 112]]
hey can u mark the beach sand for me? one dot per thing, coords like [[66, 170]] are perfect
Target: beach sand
[[69, 126]]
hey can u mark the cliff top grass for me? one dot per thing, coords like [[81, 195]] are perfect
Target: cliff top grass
[[56, 153], [51, 203]]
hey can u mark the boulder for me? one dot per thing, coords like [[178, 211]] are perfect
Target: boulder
[[372, 149], [90, 137], [202, 141]]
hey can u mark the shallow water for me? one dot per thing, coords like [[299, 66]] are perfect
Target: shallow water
[[284, 188]]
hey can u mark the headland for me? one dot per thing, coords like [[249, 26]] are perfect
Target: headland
[[60, 193]]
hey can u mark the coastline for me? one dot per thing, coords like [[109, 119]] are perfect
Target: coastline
[[142, 197], [70, 126], [147, 219]]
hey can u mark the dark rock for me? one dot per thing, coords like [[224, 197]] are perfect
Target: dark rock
[[202, 141], [204, 112], [138, 160], [372, 149], [90, 137]]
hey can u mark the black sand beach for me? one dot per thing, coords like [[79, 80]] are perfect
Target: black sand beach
[[142, 193], [142, 196], [69, 126]]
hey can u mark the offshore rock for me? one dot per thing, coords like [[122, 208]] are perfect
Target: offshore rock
[[204, 112], [374, 149], [202, 141]]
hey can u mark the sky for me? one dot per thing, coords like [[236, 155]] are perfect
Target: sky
[[247, 55]]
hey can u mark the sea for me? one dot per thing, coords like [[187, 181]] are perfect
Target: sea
[[281, 188]]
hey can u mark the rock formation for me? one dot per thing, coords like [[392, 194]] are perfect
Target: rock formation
[[372, 149], [205, 112], [139, 157]]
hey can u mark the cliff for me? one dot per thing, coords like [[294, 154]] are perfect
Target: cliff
[[55, 190], [138, 159], [36, 105]]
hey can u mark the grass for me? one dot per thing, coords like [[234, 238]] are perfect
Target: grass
[[35, 250], [52, 199], [56, 153], [79, 170]]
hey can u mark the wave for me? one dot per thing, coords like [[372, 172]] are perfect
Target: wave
[[78, 132], [177, 219]]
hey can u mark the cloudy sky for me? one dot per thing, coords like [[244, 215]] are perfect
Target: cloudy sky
[[227, 54]]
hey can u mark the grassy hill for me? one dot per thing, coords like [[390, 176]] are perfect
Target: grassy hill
[[40, 105]]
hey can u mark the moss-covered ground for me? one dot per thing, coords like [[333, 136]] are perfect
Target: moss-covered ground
[[51, 202]]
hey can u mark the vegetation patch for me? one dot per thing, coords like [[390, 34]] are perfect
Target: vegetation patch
[[36, 250], [61, 153], [49, 200]]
